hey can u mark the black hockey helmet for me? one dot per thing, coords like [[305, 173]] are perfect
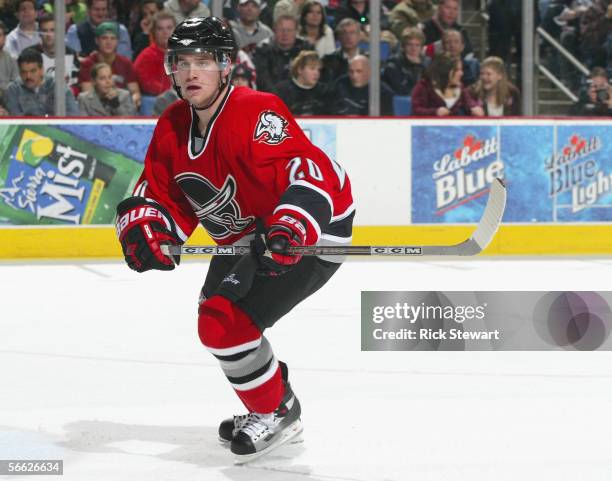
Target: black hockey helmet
[[201, 35]]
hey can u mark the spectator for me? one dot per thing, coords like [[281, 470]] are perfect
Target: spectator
[[445, 18], [26, 33], [440, 92], [8, 65], [403, 16], [302, 92], [314, 28], [245, 61], [149, 66], [403, 70], [81, 37], [335, 64], [291, 8], [123, 70], [105, 100], [163, 101], [352, 91], [46, 47], [452, 44], [358, 10], [248, 30], [273, 56], [7, 15], [497, 95], [242, 76], [594, 29], [425, 9], [143, 35], [33, 94], [182, 9], [76, 11], [596, 99]]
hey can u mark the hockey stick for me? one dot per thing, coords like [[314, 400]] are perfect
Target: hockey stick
[[481, 237]]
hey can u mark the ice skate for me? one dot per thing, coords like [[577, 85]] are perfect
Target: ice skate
[[262, 433]]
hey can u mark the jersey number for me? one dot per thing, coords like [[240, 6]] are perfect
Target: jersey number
[[296, 171]]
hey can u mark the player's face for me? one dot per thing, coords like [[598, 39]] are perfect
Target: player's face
[[47, 34], [163, 31], [104, 81], [107, 44], [198, 76], [309, 74], [489, 78], [31, 74]]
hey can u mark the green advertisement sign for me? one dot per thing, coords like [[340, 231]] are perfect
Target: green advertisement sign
[[50, 176]]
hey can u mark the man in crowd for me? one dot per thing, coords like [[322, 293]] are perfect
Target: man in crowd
[[33, 93], [248, 30], [348, 32], [452, 44], [105, 99], [149, 65], [82, 37], [46, 26], [182, 9], [122, 68], [273, 56], [352, 91], [8, 65], [26, 33], [444, 19]]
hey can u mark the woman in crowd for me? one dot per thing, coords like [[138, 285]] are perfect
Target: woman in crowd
[[302, 92], [105, 99], [440, 92], [314, 28], [496, 94]]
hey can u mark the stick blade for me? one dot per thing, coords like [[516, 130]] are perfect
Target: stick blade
[[492, 217]]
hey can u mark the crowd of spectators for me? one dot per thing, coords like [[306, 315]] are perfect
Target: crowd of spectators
[[312, 53]]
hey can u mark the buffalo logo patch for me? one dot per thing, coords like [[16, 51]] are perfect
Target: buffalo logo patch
[[271, 128]]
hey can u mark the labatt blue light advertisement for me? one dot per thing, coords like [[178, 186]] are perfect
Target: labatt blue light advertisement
[[553, 173]]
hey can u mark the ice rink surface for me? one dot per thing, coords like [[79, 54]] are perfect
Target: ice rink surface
[[103, 368]]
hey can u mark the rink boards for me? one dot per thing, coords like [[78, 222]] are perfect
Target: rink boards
[[415, 182]]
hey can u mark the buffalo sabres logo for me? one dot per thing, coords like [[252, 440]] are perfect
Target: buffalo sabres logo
[[271, 128], [216, 208]]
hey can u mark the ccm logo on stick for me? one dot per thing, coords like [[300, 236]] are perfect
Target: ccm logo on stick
[[415, 251], [209, 250]]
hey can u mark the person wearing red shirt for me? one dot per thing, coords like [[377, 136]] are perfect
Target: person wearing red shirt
[[149, 65], [123, 71]]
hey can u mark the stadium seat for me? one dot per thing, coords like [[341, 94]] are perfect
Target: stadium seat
[[146, 106], [402, 105]]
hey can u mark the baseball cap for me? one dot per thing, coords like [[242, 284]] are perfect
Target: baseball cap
[[256, 2], [107, 27]]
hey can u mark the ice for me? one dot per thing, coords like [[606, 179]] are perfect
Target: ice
[[102, 367]]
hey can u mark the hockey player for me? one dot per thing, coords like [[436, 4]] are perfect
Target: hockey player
[[236, 161]]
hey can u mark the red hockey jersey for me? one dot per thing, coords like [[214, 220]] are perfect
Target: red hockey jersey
[[253, 161]]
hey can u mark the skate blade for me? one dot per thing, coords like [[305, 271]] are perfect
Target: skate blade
[[292, 435]]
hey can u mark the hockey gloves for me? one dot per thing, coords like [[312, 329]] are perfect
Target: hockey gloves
[[271, 247], [142, 227]]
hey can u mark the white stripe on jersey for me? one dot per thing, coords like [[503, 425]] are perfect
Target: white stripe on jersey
[[310, 218], [344, 215], [308, 185]]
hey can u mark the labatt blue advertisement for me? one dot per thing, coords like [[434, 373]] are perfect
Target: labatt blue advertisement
[[554, 173]]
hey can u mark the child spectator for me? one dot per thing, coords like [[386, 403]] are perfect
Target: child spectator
[[33, 93], [440, 92], [26, 33], [302, 92], [123, 70], [8, 65], [404, 69], [497, 95], [314, 28], [149, 66], [105, 100]]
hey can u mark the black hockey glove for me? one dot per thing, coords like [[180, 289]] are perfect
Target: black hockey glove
[[270, 247], [142, 227]]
